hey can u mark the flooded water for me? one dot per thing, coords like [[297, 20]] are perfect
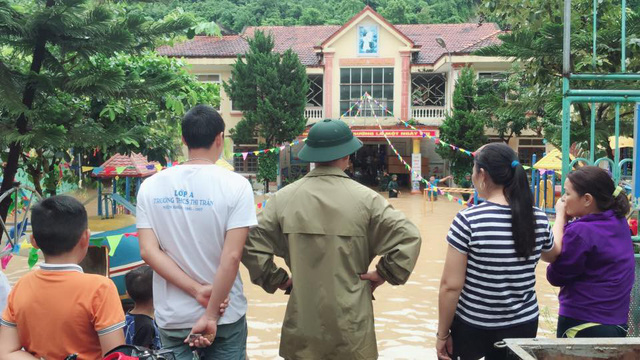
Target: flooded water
[[406, 316]]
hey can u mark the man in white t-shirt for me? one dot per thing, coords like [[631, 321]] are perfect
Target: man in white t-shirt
[[193, 220]]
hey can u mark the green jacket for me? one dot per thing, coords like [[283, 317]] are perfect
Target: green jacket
[[328, 228]]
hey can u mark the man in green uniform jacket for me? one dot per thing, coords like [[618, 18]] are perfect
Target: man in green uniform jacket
[[328, 228]]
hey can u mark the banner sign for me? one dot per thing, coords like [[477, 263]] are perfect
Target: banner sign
[[390, 133]]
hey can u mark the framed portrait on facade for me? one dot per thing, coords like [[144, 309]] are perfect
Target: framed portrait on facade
[[367, 40]]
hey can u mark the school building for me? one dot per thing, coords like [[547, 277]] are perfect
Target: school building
[[410, 69]]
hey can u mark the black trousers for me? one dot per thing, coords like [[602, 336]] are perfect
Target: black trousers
[[566, 323], [472, 343]]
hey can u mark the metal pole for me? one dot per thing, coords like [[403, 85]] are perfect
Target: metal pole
[[618, 76], [616, 159], [597, 92], [566, 40], [603, 99], [127, 191], [99, 197], [533, 162], [623, 38], [566, 129], [115, 191]]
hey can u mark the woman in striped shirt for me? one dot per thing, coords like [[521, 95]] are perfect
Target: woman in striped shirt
[[487, 288]]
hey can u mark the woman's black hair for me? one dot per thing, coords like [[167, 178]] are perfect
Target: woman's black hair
[[501, 163], [597, 182]]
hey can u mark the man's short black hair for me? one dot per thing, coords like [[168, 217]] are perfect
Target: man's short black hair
[[200, 126], [139, 283], [58, 223]]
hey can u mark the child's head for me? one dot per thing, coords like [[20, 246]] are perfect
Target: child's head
[[394, 177], [59, 224], [432, 178], [590, 189], [139, 283]]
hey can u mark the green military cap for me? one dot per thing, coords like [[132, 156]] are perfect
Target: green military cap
[[329, 140]]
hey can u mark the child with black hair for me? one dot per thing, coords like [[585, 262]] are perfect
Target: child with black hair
[[59, 310], [141, 330]]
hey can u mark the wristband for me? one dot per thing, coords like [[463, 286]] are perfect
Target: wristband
[[443, 338]]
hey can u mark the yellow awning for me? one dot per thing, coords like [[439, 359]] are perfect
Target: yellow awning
[[623, 142], [551, 161], [222, 162]]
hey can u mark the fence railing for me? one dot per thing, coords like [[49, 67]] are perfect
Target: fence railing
[[428, 112], [314, 112]]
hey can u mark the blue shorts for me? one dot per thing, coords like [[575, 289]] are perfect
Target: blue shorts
[[230, 342]]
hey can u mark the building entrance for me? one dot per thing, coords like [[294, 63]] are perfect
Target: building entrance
[[368, 164]]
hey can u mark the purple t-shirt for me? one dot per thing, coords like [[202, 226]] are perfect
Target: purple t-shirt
[[595, 269]]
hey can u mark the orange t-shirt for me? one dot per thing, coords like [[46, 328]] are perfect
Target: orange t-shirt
[[58, 310]]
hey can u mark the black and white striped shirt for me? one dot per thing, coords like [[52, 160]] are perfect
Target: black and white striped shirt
[[499, 289]]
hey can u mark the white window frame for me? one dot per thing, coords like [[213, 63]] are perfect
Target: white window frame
[[213, 82]]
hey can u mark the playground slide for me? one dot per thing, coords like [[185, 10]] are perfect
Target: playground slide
[[122, 201]]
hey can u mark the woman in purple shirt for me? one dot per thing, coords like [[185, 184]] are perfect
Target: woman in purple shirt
[[595, 269]]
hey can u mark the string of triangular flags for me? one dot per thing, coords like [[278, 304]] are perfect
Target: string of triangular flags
[[358, 103], [113, 241], [407, 166], [276, 149], [436, 139], [120, 169]]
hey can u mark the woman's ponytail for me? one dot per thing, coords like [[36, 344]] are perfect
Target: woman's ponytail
[[500, 161], [520, 200], [620, 205]]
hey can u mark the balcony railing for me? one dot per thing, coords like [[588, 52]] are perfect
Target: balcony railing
[[314, 112], [428, 112]]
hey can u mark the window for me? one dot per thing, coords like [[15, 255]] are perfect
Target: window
[[495, 78], [529, 146], [209, 78], [314, 96], [377, 82], [250, 165], [428, 89]]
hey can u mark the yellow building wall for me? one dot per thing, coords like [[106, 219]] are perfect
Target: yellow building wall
[[345, 48]]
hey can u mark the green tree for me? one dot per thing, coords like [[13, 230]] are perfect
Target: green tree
[[536, 42], [397, 12], [500, 103], [270, 88], [312, 16], [48, 67], [464, 127]]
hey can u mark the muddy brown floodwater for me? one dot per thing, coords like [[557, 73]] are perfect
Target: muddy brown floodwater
[[405, 316]]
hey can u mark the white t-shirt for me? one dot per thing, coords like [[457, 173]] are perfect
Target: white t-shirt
[[190, 208]]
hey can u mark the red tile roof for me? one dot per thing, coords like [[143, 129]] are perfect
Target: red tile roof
[[136, 166], [459, 38], [301, 39], [207, 46]]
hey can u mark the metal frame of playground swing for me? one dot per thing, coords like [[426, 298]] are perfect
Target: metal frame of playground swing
[[593, 96]]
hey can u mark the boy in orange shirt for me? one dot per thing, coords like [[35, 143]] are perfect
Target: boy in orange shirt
[[58, 310]]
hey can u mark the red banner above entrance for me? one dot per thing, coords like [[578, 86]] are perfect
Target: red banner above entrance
[[399, 133], [391, 133]]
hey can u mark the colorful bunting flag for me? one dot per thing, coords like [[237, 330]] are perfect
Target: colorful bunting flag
[[33, 257], [5, 260], [114, 241], [87, 168]]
